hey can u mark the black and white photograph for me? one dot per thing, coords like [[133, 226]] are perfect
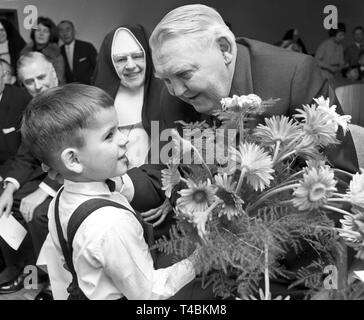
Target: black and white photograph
[[197, 153]]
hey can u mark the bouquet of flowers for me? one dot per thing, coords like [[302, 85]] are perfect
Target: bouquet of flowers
[[248, 196]]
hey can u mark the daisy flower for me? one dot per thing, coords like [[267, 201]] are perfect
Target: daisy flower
[[352, 227], [324, 106], [232, 204], [356, 189], [277, 128], [317, 186], [318, 126], [197, 197], [256, 163], [170, 178], [308, 150]]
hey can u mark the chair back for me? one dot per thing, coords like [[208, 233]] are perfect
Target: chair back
[[357, 134], [351, 98]]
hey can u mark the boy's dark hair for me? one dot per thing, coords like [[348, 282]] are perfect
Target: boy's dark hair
[[53, 38], [54, 118], [340, 28]]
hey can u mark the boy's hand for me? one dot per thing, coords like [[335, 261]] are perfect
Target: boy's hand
[[30, 202], [52, 174], [161, 211]]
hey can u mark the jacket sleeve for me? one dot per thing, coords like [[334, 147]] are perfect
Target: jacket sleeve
[[148, 193], [308, 83]]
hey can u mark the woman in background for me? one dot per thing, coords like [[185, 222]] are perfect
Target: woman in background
[[45, 40]]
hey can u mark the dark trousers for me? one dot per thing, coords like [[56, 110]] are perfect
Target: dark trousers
[[29, 249]]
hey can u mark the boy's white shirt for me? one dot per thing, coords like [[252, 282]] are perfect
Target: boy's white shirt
[[133, 258]]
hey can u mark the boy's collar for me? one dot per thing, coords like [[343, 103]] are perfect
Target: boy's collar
[[89, 188]]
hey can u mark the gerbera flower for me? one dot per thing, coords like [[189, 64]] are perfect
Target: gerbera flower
[[317, 186], [232, 204], [308, 150], [356, 189], [256, 163], [352, 227], [324, 105], [197, 197], [277, 129], [170, 178], [318, 126]]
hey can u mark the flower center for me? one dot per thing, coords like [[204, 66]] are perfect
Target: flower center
[[317, 192], [199, 196]]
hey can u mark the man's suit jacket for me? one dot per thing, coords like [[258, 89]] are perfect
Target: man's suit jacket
[[12, 104], [84, 62], [352, 53]]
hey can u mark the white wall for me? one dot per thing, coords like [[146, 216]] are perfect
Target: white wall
[[266, 20]]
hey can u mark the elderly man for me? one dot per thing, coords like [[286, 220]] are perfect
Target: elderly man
[[27, 190], [201, 62], [80, 56]]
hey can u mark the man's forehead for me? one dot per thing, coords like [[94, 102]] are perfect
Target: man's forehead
[[36, 68]]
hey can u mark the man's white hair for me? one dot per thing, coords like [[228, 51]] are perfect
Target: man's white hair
[[29, 58], [196, 21]]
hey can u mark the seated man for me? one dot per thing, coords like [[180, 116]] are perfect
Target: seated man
[[27, 190], [13, 101]]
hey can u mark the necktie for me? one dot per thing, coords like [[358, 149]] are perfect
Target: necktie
[[69, 57]]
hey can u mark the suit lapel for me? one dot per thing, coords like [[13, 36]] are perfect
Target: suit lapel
[[242, 80]]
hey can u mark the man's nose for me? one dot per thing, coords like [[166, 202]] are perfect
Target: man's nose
[[178, 88], [37, 84]]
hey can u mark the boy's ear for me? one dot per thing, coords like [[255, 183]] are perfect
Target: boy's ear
[[71, 161], [226, 49]]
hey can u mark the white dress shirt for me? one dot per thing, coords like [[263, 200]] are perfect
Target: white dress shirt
[[110, 255], [69, 53]]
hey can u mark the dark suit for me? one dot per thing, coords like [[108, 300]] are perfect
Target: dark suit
[[84, 62], [352, 53], [13, 102]]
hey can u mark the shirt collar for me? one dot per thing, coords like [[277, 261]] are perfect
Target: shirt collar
[[89, 188], [71, 45]]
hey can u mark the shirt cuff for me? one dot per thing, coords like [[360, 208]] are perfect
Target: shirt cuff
[[14, 182], [127, 188], [46, 188]]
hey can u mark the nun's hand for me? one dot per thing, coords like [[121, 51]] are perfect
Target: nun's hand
[[52, 174], [160, 212]]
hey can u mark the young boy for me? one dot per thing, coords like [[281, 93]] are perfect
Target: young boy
[[74, 129]]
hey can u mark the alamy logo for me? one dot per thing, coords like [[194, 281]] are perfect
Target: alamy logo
[[330, 21], [31, 17]]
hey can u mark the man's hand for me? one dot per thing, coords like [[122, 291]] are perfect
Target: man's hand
[[52, 174], [6, 201], [161, 211], [30, 202]]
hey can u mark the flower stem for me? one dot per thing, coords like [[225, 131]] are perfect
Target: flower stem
[[266, 271], [344, 172], [271, 193], [276, 150], [295, 174], [241, 178], [203, 162], [338, 210], [286, 155]]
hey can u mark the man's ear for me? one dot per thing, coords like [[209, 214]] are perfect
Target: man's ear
[[54, 76], [226, 48], [71, 161]]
